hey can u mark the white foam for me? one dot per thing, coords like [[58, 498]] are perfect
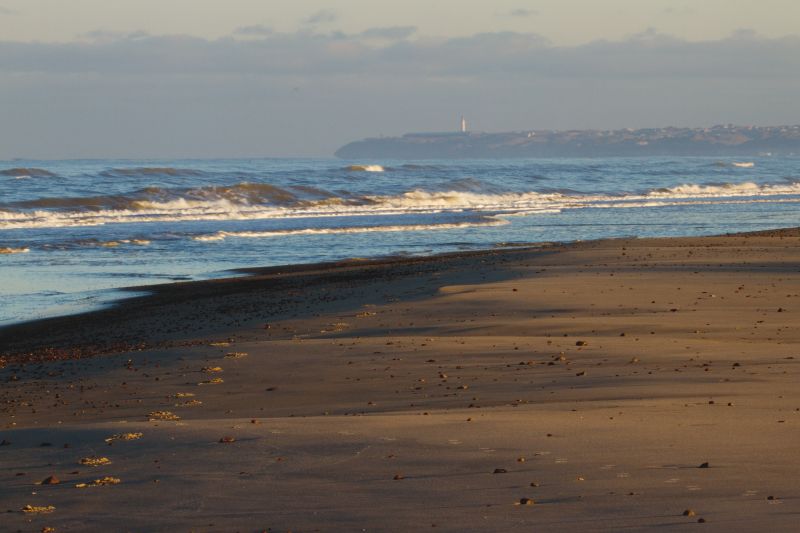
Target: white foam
[[748, 164], [14, 250], [222, 235], [727, 190], [411, 202], [366, 168]]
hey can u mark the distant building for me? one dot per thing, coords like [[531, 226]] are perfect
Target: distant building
[[463, 124]]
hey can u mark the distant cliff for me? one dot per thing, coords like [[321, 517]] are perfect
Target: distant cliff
[[715, 141]]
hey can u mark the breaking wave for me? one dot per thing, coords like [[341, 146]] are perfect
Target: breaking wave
[[723, 190], [14, 250], [735, 164], [160, 198], [114, 243], [253, 201], [365, 168], [222, 235], [21, 172]]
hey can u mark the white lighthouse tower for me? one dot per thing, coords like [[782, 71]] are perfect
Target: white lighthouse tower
[[463, 124]]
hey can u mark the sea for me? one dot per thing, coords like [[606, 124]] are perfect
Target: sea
[[73, 232]]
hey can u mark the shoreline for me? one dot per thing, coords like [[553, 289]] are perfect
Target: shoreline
[[286, 277], [272, 280]]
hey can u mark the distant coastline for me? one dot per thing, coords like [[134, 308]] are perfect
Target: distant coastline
[[723, 141]]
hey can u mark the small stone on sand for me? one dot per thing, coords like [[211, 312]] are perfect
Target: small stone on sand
[[123, 436], [108, 480], [162, 415], [37, 509], [95, 461]]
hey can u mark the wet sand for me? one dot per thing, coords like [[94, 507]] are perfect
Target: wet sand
[[601, 386]]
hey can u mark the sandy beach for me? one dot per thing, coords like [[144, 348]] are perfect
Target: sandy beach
[[616, 385]]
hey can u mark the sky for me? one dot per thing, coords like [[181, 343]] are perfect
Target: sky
[[252, 78]]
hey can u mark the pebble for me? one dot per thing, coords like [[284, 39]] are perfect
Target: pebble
[[36, 509], [95, 461], [51, 480]]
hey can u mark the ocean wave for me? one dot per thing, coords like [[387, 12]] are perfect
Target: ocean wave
[[115, 243], [151, 172], [76, 244], [262, 201], [466, 185], [21, 172], [165, 198], [365, 168], [735, 164], [241, 193], [313, 192], [85, 202], [723, 190], [14, 250], [222, 235]]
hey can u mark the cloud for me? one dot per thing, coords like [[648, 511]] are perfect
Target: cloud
[[8, 11], [386, 51], [323, 16], [114, 36], [389, 33], [257, 30]]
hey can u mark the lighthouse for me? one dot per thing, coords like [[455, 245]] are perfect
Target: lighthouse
[[463, 124]]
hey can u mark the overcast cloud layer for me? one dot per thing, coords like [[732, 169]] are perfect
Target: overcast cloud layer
[[260, 92]]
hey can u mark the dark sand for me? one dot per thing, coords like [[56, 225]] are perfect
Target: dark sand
[[596, 378]]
